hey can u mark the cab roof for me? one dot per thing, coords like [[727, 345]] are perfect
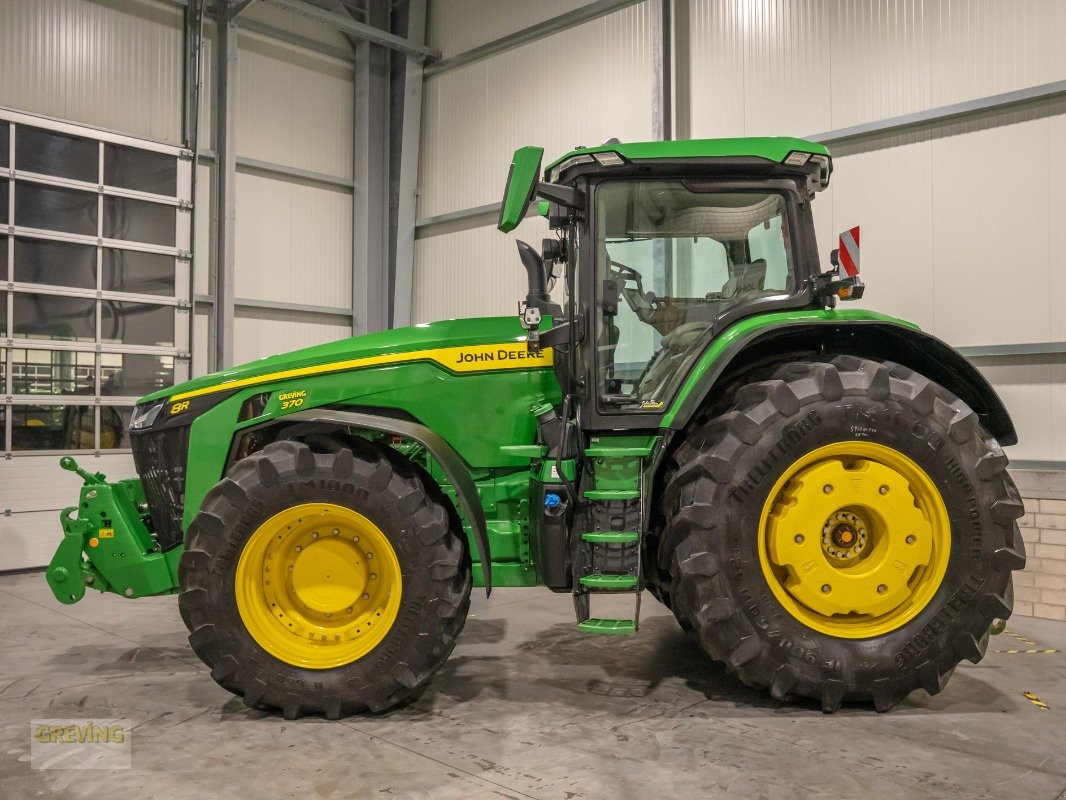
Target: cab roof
[[774, 149]]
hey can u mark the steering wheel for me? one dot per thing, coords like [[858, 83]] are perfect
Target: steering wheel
[[641, 303]]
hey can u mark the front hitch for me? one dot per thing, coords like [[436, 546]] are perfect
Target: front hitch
[[107, 543]]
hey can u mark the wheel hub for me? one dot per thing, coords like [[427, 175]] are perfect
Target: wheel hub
[[318, 585], [844, 536], [855, 539]]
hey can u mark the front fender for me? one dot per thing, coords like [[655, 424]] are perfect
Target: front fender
[[881, 339], [442, 452]]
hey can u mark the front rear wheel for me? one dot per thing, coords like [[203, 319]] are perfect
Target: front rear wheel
[[845, 533], [324, 582]]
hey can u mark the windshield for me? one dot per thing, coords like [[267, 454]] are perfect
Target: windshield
[[670, 260]]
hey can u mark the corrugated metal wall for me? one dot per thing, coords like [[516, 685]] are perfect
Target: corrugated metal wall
[[295, 107], [117, 64], [113, 64], [578, 87], [960, 220]]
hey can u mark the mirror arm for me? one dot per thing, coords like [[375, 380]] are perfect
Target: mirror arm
[[563, 195]]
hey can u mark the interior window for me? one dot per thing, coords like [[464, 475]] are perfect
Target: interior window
[[671, 260]]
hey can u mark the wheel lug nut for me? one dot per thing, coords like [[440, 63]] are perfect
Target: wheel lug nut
[[298, 548], [799, 538], [369, 555], [828, 488], [355, 538], [366, 597], [911, 539], [349, 610], [373, 576], [328, 615], [883, 490], [335, 531], [881, 589], [826, 588], [314, 535]]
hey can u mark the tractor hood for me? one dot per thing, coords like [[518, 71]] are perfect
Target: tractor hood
[[373, 349]]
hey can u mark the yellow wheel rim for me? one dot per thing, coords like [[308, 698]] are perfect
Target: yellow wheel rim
[[318, 585], [854, 539]]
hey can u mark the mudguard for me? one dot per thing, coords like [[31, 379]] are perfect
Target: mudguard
[[442, 452], [878, 339]]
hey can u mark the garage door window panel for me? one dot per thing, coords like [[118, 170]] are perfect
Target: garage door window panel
[[53, 372], [139, 221], [138, 272], [135, 374], [55, 153], [55, 208], [55, 263], [48, 316], [53, 427]]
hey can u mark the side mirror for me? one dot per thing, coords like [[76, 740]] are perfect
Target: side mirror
[[523, 186]]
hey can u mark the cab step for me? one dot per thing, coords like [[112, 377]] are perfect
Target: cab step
[[611, 537], [609, 582], [616, 451], [612, 494], [608, 627]]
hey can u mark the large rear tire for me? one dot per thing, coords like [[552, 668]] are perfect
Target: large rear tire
[[327, 583], [846, 532]]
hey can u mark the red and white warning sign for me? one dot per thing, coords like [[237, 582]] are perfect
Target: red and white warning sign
[[849, 251]]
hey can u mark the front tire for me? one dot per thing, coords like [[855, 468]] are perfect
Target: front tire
[[327, 583], [845, 533]]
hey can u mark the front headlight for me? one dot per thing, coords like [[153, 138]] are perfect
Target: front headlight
[[145, 419]]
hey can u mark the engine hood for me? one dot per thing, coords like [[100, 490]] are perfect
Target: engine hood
[[417, 338]]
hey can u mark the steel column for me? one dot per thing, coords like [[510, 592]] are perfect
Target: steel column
[[370, 205], [225, 188], [410, 142], [662, 65]]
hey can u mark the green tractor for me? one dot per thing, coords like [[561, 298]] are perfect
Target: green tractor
[[819, 495]]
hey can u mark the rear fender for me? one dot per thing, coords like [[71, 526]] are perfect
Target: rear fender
[[877, 339]]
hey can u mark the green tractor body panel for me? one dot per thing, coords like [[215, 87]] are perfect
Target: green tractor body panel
[[737, 332], [770, 148]]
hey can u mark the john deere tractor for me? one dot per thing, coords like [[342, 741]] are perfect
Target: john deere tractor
[[819, 495]]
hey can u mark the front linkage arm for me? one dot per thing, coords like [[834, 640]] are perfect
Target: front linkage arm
[[107, 544]]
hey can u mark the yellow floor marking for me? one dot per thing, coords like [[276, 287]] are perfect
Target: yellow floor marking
[[1028, 651], [1036, 701], [1013, 635]]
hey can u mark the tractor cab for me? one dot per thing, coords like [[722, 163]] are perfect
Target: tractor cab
[[664, 245]]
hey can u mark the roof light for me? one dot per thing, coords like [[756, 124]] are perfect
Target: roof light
[[573, 161], [609, 159], [797, 158]]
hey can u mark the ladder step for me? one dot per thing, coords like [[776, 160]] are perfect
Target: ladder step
[[613, 582], [602, 451], [611, 537], [615, 627], [612, 494]]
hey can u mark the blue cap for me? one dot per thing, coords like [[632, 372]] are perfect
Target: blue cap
[[551, 500]]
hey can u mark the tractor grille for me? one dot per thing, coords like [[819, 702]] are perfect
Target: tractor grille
[[160, 457]]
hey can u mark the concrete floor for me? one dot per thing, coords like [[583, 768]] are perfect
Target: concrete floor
[[525, 708]]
